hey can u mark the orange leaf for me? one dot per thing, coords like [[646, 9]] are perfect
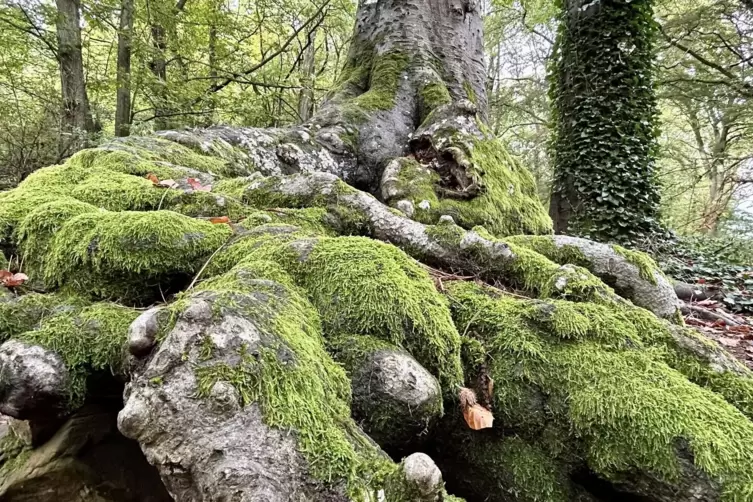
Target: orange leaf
[[153, 178], [219, 219], [11, 280], [477, 417], [196, 185]]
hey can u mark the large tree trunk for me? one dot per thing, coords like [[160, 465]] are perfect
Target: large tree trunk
[[77, 118], [605, 121], [123, 103], [326, 326]]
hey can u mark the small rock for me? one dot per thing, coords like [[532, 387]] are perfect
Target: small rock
[[406, 207], [142, 333]]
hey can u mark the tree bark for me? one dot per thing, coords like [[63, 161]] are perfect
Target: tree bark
[[123, 104], [77, 119], [158, 67], [308, 74]]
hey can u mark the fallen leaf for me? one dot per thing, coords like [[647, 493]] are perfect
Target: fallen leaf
[[219, 219], [153, 178], [477, 417], [729, 342], [739, 329], [168, 184], [11, 280], [196, 185]]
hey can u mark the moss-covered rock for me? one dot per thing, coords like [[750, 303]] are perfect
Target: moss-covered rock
[[609, 390]]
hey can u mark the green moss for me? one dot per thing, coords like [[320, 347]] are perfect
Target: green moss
[[365, 287], [469, 92], [646, 265], [545, 245], [307, 392], [89, 339], [121, 192], [14, 452], [37, 229], [433, 96], [361, 287], [527, 471], [507, 205], [24, 314], [384, 82], [130, 244], [136, 162], [611, 388]]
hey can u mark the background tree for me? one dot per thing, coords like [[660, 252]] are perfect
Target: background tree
[[605, 121], [78, 123]]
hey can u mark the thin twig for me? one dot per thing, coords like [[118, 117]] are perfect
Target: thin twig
[[193, 282]]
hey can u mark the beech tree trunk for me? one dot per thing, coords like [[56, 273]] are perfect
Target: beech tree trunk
[[77, 119], [123, 104]]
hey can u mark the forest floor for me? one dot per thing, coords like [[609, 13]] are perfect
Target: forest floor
[[737, 339]]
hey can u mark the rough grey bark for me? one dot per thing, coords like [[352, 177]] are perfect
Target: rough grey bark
[[123, 102], [395, 399], [33, 382], [212, 448], [656, 294], [77, 118]]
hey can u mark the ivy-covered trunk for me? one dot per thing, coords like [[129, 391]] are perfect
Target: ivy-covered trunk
[[605, 116]]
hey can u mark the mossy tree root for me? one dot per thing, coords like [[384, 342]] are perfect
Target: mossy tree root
[[444, 245]]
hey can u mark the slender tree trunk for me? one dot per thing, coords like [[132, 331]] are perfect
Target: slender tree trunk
[[209, 119], [77, 119], [123, 105], [308, 76], [159, 70]]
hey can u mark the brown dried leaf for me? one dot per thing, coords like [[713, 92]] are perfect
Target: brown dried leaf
[[11, 280], [477, 417], [153, 178], [219, 219]]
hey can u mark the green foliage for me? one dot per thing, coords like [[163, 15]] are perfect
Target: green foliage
[[605, 121], [724, 266]]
